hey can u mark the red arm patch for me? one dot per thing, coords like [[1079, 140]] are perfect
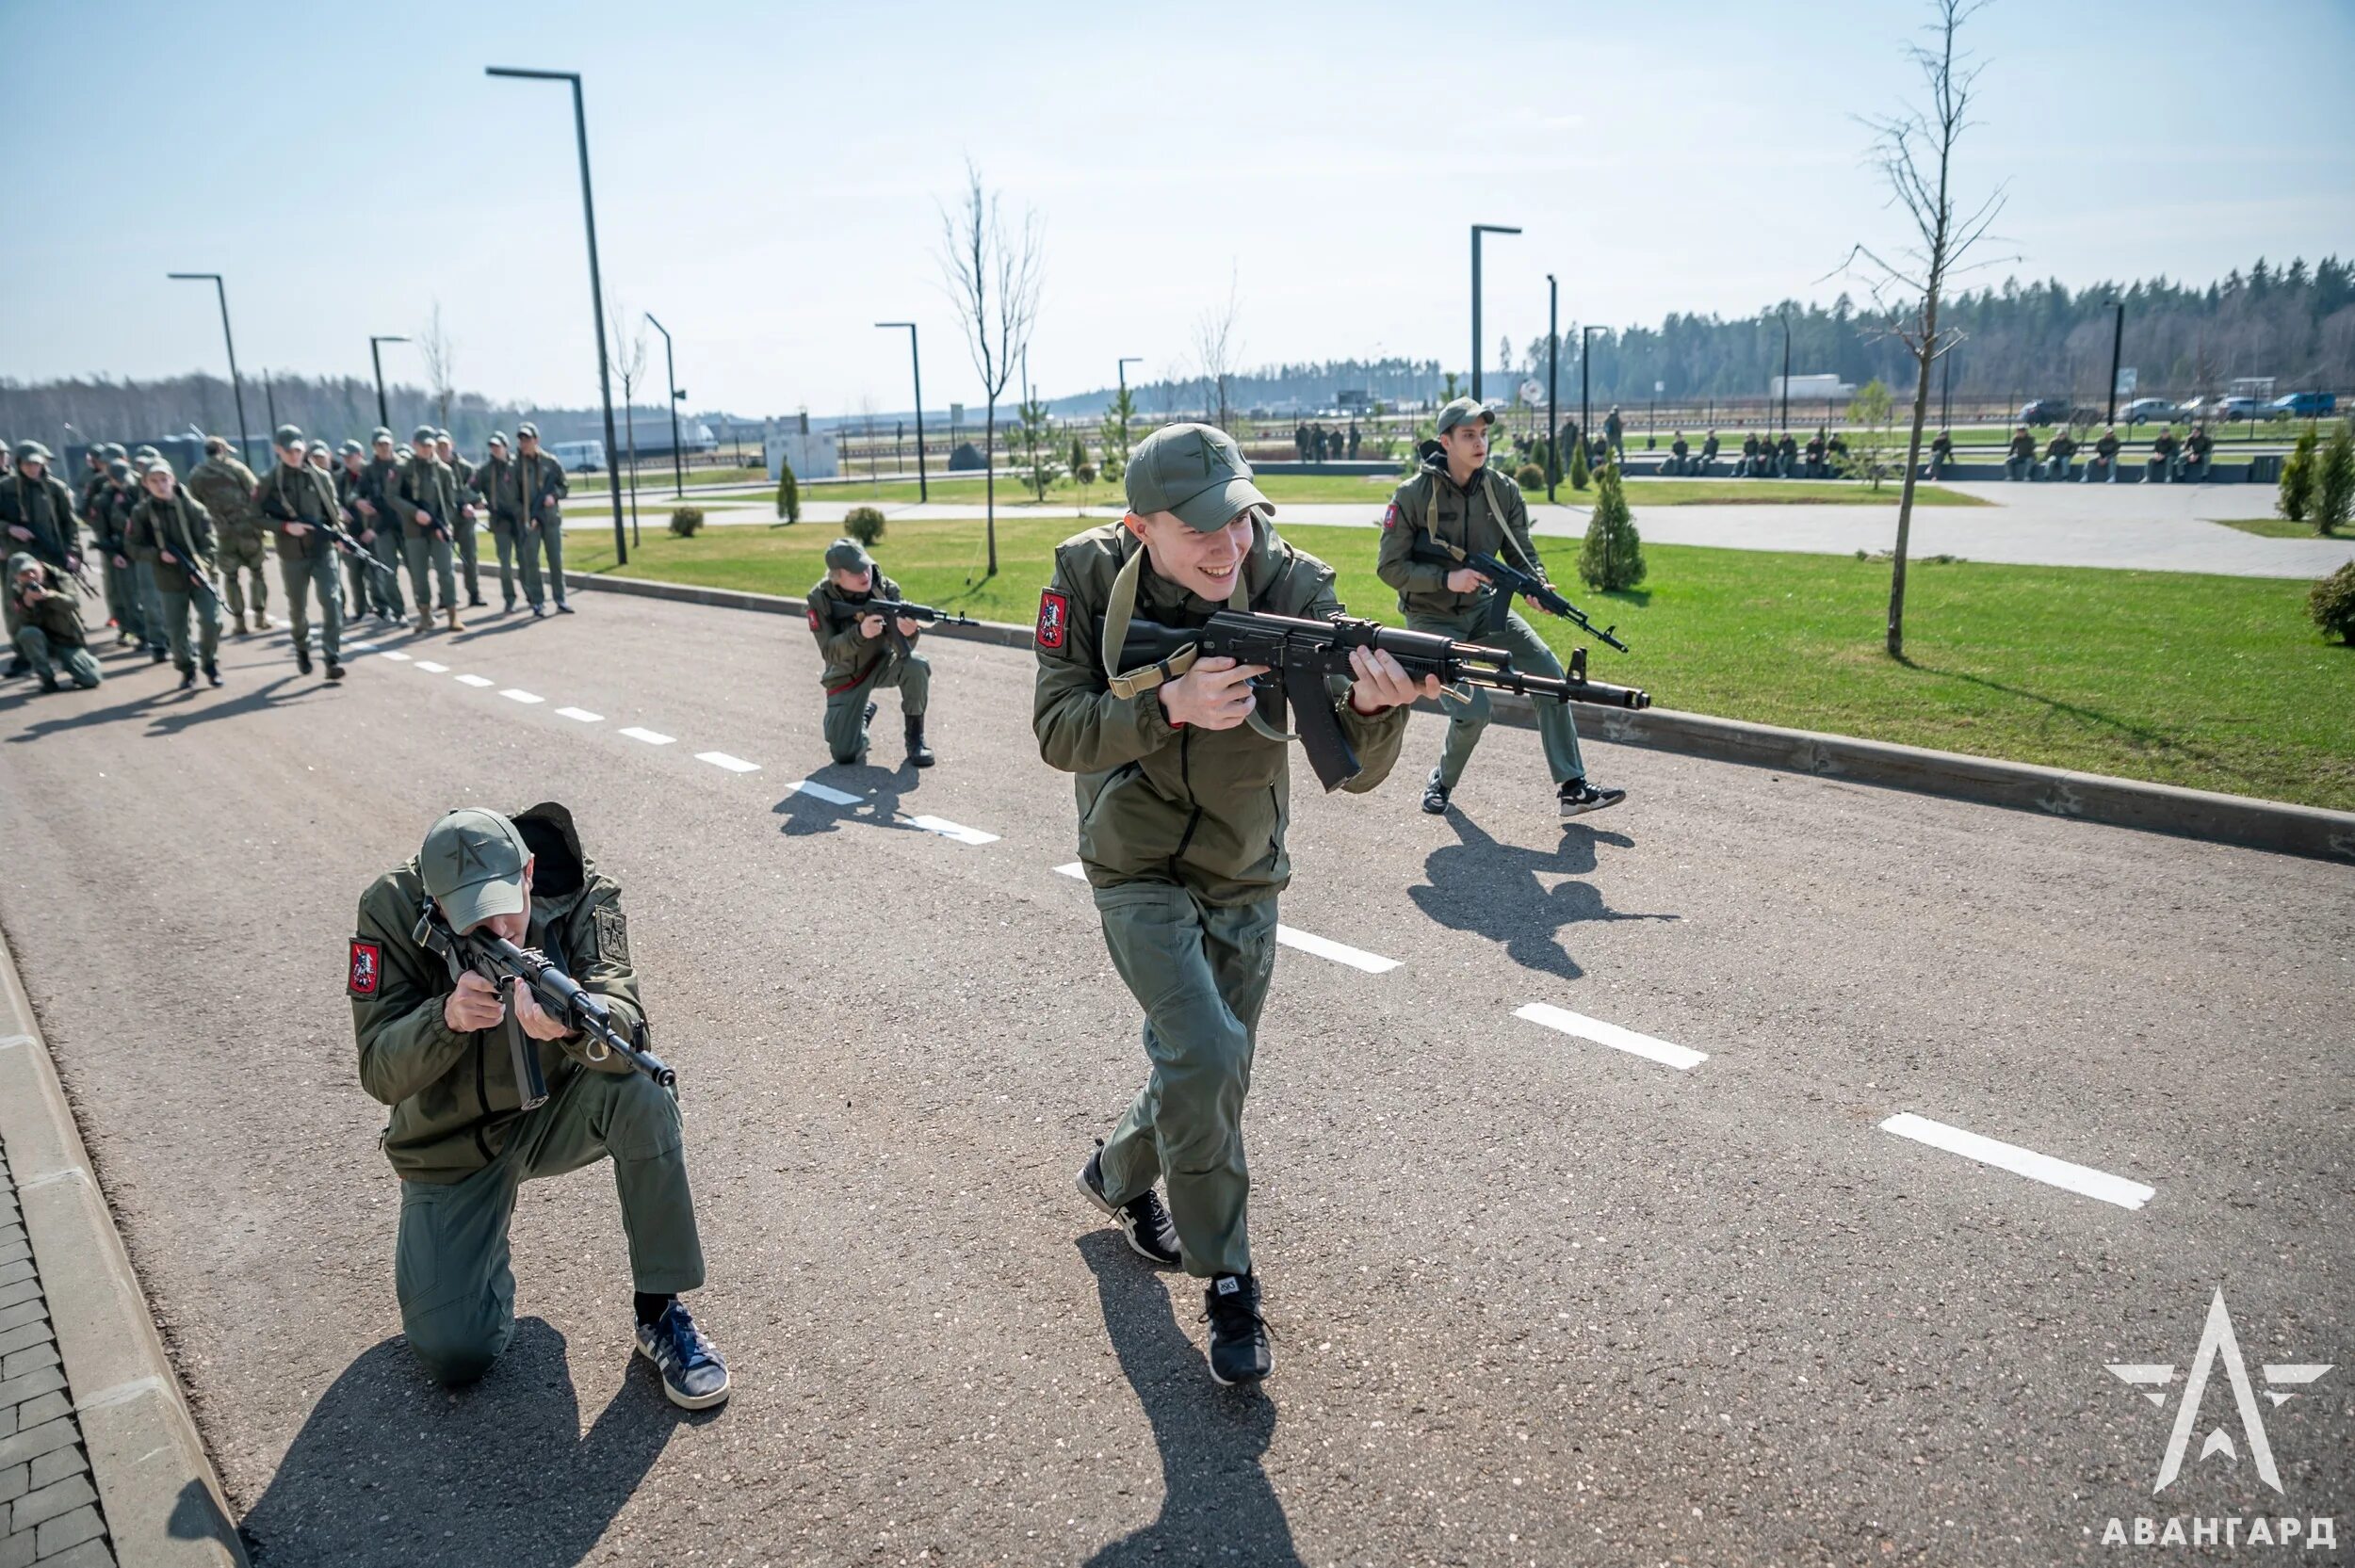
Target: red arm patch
[[813, 617], [1390, 516], [1054, 616], [367, 968]]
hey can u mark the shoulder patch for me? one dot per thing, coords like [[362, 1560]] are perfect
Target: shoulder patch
[[613, 935], [1055, 617], [1390, 516], [367, 970], [813, 615]]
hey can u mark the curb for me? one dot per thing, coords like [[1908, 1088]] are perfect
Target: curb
[[2276, 826], [162, 1503]]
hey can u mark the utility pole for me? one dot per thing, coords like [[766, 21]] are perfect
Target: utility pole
[[1553, 352], [915, 364], [1586, 387], [376, 358], [670, 374], [1477, 230], [1786, 371], [2118, 341], [245, 437]]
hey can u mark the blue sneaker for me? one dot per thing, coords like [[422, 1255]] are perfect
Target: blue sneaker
[[692, 1373]]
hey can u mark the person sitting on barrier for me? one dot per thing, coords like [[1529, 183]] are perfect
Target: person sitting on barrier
[[2160, 468], [1835, 456], [1748, 467], [1815, 469], [1786, 457], [2021, 453], [2057, 453], [2194, 465], [2105, 463], [1709, 453], [1942, 456], [1679, 457]]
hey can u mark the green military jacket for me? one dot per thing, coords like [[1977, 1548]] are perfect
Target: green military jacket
[[834, 617], [44, 509], [1204, 809], [492, 478], [376, 483], [1489, 519], [425, 485], [298, 495], [225, 487], [108, 510], [181, 523], [56, 610], [454, 1097], [525, 490]]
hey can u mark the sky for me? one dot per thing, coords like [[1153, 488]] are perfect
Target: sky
[[768, 177]]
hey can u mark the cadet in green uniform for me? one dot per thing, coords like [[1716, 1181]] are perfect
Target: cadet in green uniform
[[173, 529], [439, 1051], [47, 615], [471, 493], [379, 530], [350, 470], [124, 497], [494, 481], [224, 487], [37, 516], [863, 654], [542, 487], [424, 494], [1182, 811], [105, 519], [295, 499], [1457, 499]]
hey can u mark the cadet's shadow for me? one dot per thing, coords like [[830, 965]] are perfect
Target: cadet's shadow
[[879, 791], [487, 627], [179, 719], [1491, 890], [33, 730], [390, 1468], [1214, 1487]]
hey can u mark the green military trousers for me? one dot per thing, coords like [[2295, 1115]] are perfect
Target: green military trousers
[[123, 600], [150, 604], [207, 606], [1200, 971], [467, 566], [846, 709], [450, 1267], [539, 538], [240, 555], [1557, 731], [299, 576], [425, 547], [389, 593], [503, 540], [50, 661]]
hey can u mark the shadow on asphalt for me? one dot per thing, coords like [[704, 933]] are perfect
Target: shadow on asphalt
[[1217, 1501], [1492, 889], [879, 788], [391, 1469]]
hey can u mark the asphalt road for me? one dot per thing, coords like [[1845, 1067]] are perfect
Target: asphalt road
[[1536, 1298]]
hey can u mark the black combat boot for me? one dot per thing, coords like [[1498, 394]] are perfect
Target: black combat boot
[[919, 754], [303, 659]]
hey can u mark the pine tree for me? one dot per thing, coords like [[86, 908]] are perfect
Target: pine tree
[[1612, 555], [789, 493], [2297, 477], [1579, 473], [2334, 480]]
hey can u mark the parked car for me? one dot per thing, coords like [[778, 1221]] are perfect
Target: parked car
[[578, 456], [2150, 410], [2231, 409], [2045, 411], [2307, 405]]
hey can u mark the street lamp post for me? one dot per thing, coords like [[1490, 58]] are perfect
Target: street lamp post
[[916, 366], [1477, 230], [670, 374], [596, 282], [1786, 371], [269, 402], [2118, 341], [1585, 386], [245, 437], [376, 358], [1553, 352]]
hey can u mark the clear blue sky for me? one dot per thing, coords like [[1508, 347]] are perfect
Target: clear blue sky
[[767, 175]]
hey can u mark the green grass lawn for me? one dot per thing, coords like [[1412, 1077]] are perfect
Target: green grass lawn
[[1374, 492], [2215, 683], [2270, 528], [651, 475]]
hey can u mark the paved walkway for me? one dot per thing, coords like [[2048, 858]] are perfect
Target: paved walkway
[[49, 1512], [2136, 526]]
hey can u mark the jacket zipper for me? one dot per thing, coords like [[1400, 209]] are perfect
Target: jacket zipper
[[482, 1097], [1185, 776]]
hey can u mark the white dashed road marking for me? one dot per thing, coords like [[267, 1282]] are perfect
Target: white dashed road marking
[[2024, 1162], [827, 793], [734, 764], [1324, 947], [652, 738], [514, 695], [396, 654], [581, 713], [957, 830], [433, 668], [1682, 1058], [472, 680]]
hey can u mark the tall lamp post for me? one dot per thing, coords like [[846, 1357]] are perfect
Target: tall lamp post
[[1586, 387], [596, 282], [1786, 371], [376, 358], [670, 374], [915, 364], [1554, 350], [245, 437], [2118, 341], [1477, 230]]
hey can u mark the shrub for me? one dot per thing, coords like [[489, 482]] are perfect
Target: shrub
[[1613, 556], [2297, 477], [2334, 480], [789, 493], [864, 523], [1578, 471], [1530, 476], [686, 520], [2332, 604]]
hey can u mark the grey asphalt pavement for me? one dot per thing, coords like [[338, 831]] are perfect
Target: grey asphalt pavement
[[1538, 1296]]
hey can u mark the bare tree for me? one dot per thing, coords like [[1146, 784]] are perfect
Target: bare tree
[[628, 358], [440, 352], [1914, 151], [1216, 349], [991, 273]]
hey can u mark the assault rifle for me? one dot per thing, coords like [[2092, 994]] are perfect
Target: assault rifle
[[892, 609], [343, 540], [193, 571], [1301, 653], [1512, 583], [500, 961]]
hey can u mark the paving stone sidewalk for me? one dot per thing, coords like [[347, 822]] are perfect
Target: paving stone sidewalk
[[49, 1512]]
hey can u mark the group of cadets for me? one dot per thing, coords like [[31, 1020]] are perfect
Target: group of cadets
[[168, 551]]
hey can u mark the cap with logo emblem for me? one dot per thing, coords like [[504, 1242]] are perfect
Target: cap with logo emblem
[[472, 866], [1464, 409], [848, 555], [1195, 471]]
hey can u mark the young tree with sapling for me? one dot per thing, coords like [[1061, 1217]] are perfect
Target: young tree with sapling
[[992, 274]]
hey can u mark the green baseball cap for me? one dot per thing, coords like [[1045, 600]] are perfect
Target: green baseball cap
[[472, 866], [1461, 410], [115, 449], [1195, 471], [422, 435], [288, 436], [498, 438], [351, 448], [380, 433], [849, 555], [31, 451], [526, 429]]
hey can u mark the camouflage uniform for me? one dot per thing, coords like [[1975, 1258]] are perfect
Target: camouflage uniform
[[224, 487], [425, 487], [297, 492]]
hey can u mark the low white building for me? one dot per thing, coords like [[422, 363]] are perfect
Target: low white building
[[813, 453], [1814, 389]]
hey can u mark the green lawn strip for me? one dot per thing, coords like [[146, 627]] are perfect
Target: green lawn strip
[[2213, 683], [1376, 491], [2270, 528], [651, 475]]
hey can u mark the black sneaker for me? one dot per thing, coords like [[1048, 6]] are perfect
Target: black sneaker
[[563, 608], [334, 670], [693, 1375], [1143, 1219], [539, 612], [303, 659], [1434, 793], [1578, 798], [212, 675], [157, 656], [188, 678], [1238, 1346]]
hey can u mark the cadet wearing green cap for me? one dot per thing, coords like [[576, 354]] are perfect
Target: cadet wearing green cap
[[494, 481], [379, 530], [532, 495], [38, 518], [296, 499], [361, 587], [863, 653], [1456, 499], [225, 487], [440, 1050], [47, 614], [424, 496], [470, 491], [107, 519], [1181, 795], [172, 530]]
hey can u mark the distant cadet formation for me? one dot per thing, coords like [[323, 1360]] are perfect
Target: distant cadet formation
[[170, 553]]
